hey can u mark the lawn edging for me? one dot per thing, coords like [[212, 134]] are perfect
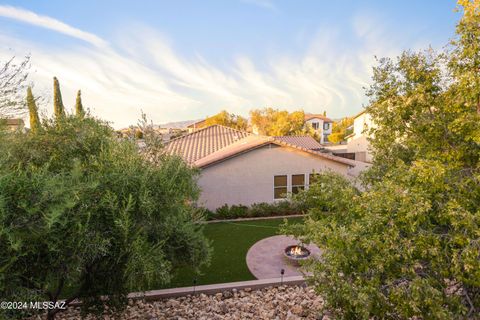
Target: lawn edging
[[209, 289], [255, 218], [216, 288]]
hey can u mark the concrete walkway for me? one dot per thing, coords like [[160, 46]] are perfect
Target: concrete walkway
[[265, 259]]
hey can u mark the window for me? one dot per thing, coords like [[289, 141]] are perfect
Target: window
[[298, 182], [279, 187], [315, 125], [326, 125]]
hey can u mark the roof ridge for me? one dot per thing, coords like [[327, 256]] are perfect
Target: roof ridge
[[229, 128]]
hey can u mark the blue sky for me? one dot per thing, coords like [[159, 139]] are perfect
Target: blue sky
[[179, 60]]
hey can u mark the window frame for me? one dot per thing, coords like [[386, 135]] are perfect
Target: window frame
[[275, 187], [297, 187]]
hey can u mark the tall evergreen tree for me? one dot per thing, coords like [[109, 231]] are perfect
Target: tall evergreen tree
[[33, 111], [58, 107], [78, 105]]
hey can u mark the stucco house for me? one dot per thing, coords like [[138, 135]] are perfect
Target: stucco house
[[321, 124], [242, 168], [196, 125], [357, 142], [13, 124]]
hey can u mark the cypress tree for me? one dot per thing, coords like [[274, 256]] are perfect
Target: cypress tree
[[78, 105], [58, 107], [33, 111]]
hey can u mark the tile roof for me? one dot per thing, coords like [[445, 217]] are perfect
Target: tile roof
[[13, 122], [217, 143], [306, 142], [203, 142], [309, 116], [197, 124]]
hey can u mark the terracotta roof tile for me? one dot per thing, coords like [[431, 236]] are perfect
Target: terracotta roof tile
[[203, 142], [217, 143], [13, 122], [309, 116], [306, 142]]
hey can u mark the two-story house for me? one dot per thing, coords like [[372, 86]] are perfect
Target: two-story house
[[321, 124], [357, 142]]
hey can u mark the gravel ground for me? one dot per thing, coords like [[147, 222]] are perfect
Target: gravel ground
[[285, 302]]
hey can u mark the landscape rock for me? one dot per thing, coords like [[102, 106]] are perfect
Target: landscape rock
[[270, 303]]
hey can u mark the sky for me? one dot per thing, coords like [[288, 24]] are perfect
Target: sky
[[182, 60]]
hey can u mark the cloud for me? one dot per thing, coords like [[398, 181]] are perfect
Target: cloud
[[49, 23], [117, 81]]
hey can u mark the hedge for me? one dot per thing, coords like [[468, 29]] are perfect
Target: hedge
[[263, 209]]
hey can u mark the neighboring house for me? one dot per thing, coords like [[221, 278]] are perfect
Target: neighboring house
[[357, 142], [196, 125], [13, 124], [321, 124], [239, 168]]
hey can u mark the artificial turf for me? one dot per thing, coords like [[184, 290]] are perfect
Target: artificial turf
[[230, 242]]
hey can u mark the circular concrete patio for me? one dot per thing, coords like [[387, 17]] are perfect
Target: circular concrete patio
[[265, 259]]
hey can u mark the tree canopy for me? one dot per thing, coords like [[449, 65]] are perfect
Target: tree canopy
[[58, 108], [79, 111], [33, 111], [407, 244], [228, 119], [341, 129], [274, 122], [85, 214]]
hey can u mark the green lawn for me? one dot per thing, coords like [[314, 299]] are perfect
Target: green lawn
[[230, 241]]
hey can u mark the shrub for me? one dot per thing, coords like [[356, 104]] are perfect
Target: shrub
[[262, 209], [84, 214]]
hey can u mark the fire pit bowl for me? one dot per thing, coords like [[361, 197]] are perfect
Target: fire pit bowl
[[296, 253]]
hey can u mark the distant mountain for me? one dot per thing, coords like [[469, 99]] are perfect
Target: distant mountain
[[178, 124]]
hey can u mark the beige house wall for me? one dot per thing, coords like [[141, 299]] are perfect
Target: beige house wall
[[248, 177]]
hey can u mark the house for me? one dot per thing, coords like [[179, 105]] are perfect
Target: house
[[321, 124], [357, 142], [239, 168], [196, 125], [13, 124]]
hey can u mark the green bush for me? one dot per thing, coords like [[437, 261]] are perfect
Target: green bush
[[407, 245], [263, 209], [84, 214]]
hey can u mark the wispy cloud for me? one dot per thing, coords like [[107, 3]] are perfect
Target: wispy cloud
[[117, 82], [49, 23]]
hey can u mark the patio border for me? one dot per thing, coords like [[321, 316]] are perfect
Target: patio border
[[216, 288], [153, 295]]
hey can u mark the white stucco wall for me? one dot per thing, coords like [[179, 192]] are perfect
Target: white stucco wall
[[248, 178], [358, 143], [321, 131]]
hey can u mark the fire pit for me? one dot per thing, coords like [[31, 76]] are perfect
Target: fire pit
[[297, 253]]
